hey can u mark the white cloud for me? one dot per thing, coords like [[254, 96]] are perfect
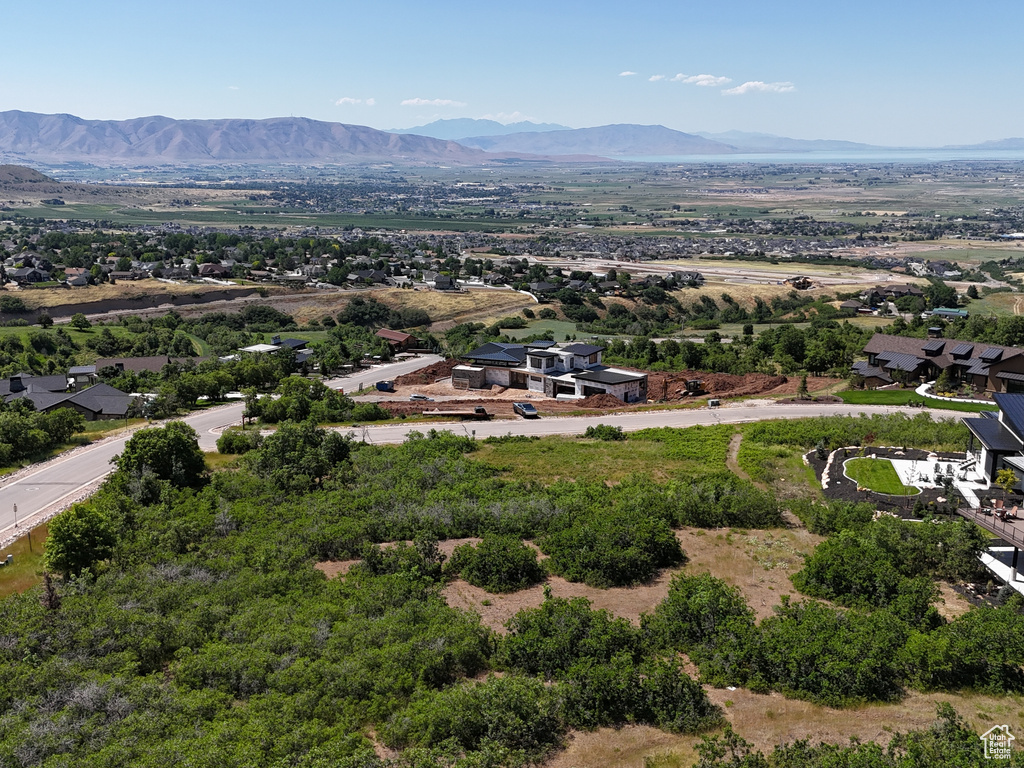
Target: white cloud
[[702, 80], [756, 85], [432, 103], [627, 73], [370, 102], [656, 78], [232, 87], [348, 101]]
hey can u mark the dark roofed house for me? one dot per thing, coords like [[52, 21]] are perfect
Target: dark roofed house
[[985, 367], [28, 275], [214, 270], [46, 393]]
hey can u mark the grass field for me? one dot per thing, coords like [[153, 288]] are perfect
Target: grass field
[[479, 306], [560, 458], [878, 475], [905, 396], [42, 298], [561, 329], [23, 572]]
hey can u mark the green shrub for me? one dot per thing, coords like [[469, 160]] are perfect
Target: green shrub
[[369, 412], [604, 432], [497, 564], [560, 633], [694, 614], [238, 441], [612, 548], [511, 712]]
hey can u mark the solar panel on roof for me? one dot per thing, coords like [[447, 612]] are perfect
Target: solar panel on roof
[[991, 354], [962, 350], [935, 345]]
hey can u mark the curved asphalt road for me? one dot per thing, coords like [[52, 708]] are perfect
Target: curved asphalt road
[[57, 480]]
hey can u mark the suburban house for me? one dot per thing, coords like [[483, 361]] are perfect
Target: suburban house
[[985, 367], [28, 275], [573, 371], [397, 340], [996, 440], [47, 393], [214, 270]]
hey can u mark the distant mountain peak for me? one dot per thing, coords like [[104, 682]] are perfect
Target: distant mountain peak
[[457, 128], [619, 140]]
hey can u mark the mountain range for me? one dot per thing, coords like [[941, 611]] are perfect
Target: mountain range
[[63, 138], [28, 136], [459, 128]]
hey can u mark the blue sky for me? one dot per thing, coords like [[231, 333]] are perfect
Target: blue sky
[[901, 72]]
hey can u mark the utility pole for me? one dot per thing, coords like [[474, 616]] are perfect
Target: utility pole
[[15, 515]]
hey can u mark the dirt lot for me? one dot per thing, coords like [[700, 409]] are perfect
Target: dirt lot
[[435, 382]]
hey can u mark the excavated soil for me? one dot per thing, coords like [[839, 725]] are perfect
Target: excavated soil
[[428, 375]]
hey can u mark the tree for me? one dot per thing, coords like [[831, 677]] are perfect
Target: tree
[[80, 321], [171, 452], [972, 291], [1006, 479], [44, 320], [78, 539]]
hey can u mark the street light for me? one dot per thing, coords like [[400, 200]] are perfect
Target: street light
[[15, 515]]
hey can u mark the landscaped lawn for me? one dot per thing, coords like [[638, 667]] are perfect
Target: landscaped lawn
[[904, 396], [878, 475]]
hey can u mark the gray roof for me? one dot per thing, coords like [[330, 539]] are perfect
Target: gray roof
[[962, 350], [1012, 407], [583, 349], [541, 353], [868, 371], [608, 377], [935, 345], [994, 435], [81, 370], [900, 361], [497, 352], [991, 354]]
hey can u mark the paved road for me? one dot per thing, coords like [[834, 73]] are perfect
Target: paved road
[[58, 480], [630, 421]]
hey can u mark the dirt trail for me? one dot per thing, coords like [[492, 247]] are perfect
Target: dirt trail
[[731, 457], [1018, 306]]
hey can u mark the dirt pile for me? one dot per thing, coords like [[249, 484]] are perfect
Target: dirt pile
[[672, 386], [428, 375], [599, 401]]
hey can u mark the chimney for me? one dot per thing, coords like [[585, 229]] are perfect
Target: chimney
[[17, 385]]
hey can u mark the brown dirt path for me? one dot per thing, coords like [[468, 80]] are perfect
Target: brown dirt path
[[731, 457]]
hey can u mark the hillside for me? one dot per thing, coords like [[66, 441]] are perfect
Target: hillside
[[605, 140], [31, 136], [19, 174], [766, 142]]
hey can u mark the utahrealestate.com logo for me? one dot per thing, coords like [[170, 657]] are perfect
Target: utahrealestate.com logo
[[998, 742]]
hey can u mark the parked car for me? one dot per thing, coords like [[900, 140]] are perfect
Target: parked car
[[420, 397], [526, 410]]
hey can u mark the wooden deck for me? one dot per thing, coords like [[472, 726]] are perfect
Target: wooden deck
[[1010, 531]]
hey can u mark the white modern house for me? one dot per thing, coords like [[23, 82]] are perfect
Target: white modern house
[[573, 371]]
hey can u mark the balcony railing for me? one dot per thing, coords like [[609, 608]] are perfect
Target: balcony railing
[[1011, 531]]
